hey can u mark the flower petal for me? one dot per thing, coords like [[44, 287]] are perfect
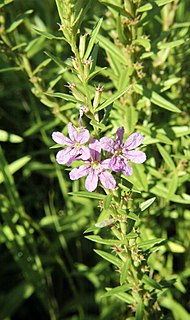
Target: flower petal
[[107, 180], [82, 136], [119, 137], [91, 180], [135, 156], [85, 153], [116, 163], [79, 172], [72, 132], [64, 155], [105, 164], [58, 137], [95, 149], [133, 141], [127, 170], [107, 144]]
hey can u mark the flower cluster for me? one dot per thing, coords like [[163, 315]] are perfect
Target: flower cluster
[[94, 168]]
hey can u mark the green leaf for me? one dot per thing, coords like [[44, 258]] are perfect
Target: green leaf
[[94, 123], [178, 311], [11, 301], [138, 178], [119, 289], [34, 46], [132, 118], [58, 61], [110, 242], [181, 131], [90, 229], [18, 21], [117, 8], [95, 73], [92, 195], [144, 205], [150, 282], [161, 191], [107, 201], [175, 247], [125, 297], [147, 244], [114, 97], [143, 42], [154, 134], [110, 47], [16, 165], [124, 271], [132, 216], [10, 69], [47, 35], [93, 37], [171, 45], [172, 185], [120, 30], [168, 160], [41, 66], [156, 98], [150, 6], [5, 2], [10, 137], [109, 257], [139, 314], [64, 96]]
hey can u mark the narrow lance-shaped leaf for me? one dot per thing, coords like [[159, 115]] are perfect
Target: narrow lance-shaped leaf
[[93, 37], [139, 314], [156, 98], [63, 96], [5, 2], [47, 35], [114, 97], [124, 271], [109, 257], [165, 155], [108, 46], [18, 21], [117, 8], [116, 290], [110, 242], [175, 307], [149, 6], [144, 205], [92, 195], [16, 165], [172, 185]]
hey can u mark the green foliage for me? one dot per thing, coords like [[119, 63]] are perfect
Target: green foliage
[[67, 253]]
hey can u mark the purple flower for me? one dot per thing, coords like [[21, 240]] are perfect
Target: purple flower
[[94, 169], [76, 149], [123, 152]]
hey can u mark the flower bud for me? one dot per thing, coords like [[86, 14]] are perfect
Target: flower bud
[[97, 97], [82, 45], [76, 93]]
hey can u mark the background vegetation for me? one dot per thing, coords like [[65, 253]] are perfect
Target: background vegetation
[[139, 52]]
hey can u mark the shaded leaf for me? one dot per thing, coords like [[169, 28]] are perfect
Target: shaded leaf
[[92, 195], [109, 257], [115, 290]]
